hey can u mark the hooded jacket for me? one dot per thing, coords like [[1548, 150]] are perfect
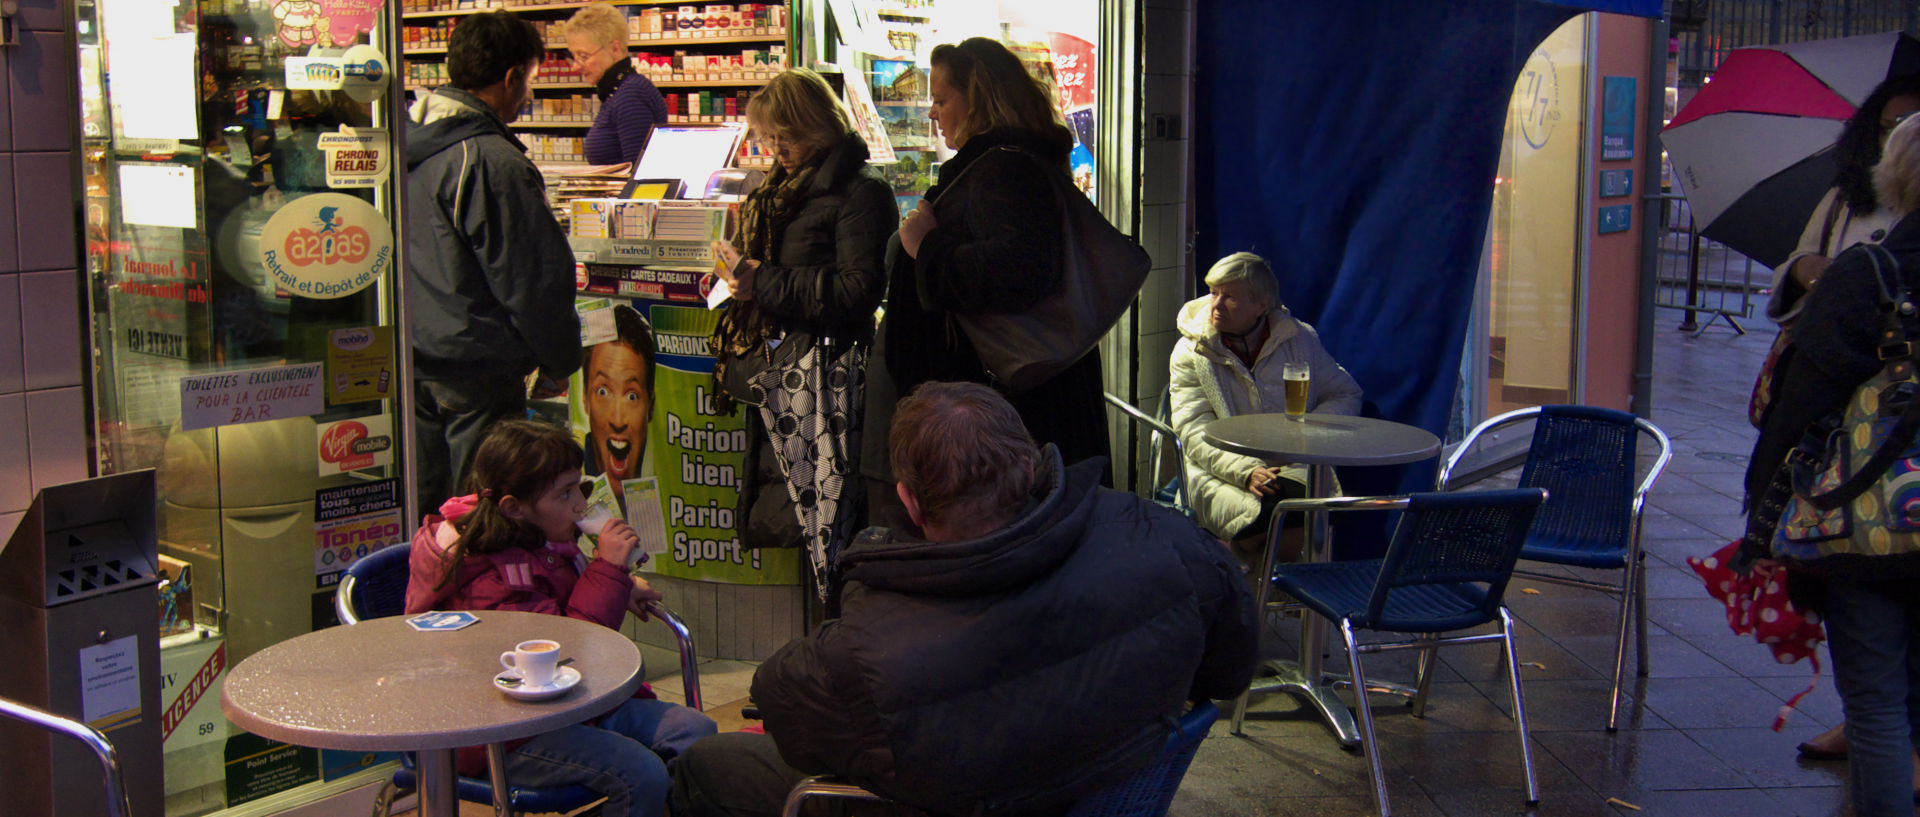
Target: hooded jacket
[[489, 273], [1073, 638], [557, 579], [1209, 382]]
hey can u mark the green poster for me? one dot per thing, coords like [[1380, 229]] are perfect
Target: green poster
[[637, 420]]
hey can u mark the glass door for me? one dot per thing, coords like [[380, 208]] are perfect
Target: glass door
[[240, 261]]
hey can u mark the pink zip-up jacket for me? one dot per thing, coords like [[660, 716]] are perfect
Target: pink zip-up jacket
[[557, 579]]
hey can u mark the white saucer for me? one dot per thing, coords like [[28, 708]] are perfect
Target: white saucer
[[563, 679]]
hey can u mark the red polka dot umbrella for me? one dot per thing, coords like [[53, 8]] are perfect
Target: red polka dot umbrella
[[1757, 605]]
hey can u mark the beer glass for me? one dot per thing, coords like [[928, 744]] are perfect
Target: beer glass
[[1299, 380]]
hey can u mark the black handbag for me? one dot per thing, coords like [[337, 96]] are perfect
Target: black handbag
[[736, 379], [1100, 275]]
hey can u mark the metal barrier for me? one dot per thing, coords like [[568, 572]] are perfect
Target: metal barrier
[[117, 805], [1700, 275]]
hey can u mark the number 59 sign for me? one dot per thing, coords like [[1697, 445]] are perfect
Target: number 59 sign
[[326, 245]]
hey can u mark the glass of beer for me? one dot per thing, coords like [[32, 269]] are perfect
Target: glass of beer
[[1299, 379]]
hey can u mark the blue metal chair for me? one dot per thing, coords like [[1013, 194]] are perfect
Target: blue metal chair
[[1586, 458], [1172, 493], [1146, 794], [1446, 569], [376, 587]]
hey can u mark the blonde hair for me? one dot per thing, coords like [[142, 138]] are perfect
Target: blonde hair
[[1245, 266], [605, 24], [799, 105], [1000, 92], [1896, 179]]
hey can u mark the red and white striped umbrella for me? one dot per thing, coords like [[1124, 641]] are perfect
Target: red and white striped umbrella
[[1753, 150]]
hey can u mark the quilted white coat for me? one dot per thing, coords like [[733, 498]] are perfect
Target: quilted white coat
[[1210, 382]]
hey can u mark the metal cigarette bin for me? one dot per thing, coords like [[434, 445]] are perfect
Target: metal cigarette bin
[[78, 589]]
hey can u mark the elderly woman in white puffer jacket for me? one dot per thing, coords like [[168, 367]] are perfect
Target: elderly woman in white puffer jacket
[[1234, 344]]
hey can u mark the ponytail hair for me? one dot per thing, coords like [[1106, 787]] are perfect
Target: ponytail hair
[[519, 458]]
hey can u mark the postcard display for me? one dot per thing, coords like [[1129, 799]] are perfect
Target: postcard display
[[888, 44], [239, 253]]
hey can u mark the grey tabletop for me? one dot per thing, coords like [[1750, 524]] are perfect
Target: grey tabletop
[[1323, 439], [381, 685]]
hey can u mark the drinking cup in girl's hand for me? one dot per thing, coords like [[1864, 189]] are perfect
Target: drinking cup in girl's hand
[[534, 660]]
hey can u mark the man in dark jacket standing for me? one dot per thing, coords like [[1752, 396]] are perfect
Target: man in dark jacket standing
[[489, 273], [1036, 645]]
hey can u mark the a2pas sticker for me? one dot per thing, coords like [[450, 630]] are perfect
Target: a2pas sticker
[[326, 245], [351, 445]]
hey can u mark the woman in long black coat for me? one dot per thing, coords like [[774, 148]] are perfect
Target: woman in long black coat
[[808, 259], [986, 239]]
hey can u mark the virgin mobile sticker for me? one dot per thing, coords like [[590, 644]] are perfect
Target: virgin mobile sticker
[[326, 245]]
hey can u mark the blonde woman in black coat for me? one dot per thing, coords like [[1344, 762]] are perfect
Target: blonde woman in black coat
[[808, 259]]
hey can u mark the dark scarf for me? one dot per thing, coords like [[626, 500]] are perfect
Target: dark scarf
[[610, 80], [743, 328], [1246, 345]]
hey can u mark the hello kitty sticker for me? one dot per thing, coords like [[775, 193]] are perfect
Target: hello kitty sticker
[[301, 24]]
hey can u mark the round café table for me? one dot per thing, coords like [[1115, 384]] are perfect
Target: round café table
[[1319, 441], [382, 685]]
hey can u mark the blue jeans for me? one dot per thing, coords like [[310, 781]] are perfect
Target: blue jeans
[[1875, 640], [623, 759]]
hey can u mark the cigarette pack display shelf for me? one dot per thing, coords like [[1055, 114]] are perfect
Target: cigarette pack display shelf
[[642, 41], [520, 7]]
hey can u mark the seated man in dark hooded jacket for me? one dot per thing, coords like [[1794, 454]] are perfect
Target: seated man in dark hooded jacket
[[1032, 643]]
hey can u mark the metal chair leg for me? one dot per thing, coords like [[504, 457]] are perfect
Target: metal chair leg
[[1262, 594], [1368, 742], [497, 771], [1519, 706], [1424, 681], [1627, 584], [1640, 607]]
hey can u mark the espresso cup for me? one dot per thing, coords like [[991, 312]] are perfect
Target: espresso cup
[[534, 660]]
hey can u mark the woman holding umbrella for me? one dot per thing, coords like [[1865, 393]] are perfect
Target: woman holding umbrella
[[1850, 214], [807, 268], [1866, 592]]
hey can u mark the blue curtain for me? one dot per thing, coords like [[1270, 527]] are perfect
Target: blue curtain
[[1354, 146]]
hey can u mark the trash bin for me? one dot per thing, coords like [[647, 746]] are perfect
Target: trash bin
[[78, 605]]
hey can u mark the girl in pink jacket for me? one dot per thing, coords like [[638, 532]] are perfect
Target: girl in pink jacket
[[511, 545]]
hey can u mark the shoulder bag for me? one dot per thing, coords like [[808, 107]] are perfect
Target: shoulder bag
[[1763, 384], [1101, 272], [1856, 474]]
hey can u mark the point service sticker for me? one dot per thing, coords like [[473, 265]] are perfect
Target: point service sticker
[[326, 245]]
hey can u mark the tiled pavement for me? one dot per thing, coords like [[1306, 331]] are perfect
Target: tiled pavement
[[1695, 737]]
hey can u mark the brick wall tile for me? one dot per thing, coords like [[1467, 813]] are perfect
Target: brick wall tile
[[16, 469], [50, 328], [12, 375], [56, 436], [40, 82], [43, 210]]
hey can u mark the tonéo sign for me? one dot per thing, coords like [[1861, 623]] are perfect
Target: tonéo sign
[[326, 245]]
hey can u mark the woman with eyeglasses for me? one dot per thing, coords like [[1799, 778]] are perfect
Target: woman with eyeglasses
[[804, 267], [629, 104], [1852, 213]]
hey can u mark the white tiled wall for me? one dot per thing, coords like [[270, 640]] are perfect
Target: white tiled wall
[[43, 414], [1166, 218]]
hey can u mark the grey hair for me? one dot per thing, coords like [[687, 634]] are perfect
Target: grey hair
[[1896, 179], [605, 24], [1245, 266]]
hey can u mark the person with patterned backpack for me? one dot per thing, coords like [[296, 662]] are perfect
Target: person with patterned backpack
[[1833, 486]]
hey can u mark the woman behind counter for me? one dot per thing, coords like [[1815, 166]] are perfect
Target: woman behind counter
[[629, 104], [988, 242]]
